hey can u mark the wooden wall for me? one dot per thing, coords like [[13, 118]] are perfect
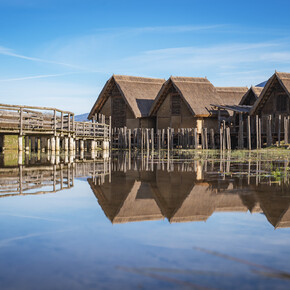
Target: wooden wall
[[167, 116], [272, 104]]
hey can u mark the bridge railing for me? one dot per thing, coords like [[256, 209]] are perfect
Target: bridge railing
[[89, 129], [30, 118], [44, 120]]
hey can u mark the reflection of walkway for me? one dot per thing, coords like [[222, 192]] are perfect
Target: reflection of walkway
[[190, 195], [41, 179]]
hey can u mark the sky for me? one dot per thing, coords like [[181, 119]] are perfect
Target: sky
[[60, 53]]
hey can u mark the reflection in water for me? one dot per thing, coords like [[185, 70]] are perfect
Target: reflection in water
[[130, 187], [147, 188], [40, 174]]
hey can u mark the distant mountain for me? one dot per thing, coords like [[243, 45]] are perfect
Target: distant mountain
[[261, 84], [82, 117]]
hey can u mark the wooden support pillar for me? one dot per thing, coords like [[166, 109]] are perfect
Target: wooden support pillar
[[152, 139], [66, 144], [168, 138], [57, 144], [221, 138], [129, 139], [71, 144], [82, 145], [212, 143], [229, 142], [52, 143], [241, 132], [195, 138], [33, 144], [224, 135], [269, 130], [26, 138], [249, 133], [286, 130], [20, 143], [257, 133], [279, 130]]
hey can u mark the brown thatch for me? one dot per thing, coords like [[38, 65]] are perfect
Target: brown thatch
[[138, 92], [251, 96], [231, 95], [284, 81], [197, 93]]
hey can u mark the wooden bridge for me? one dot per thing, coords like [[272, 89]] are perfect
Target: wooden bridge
[[51, 129]]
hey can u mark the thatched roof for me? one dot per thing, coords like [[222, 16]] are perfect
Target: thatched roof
[[197, 93], [253, 91], [231, 95], [284, 81], [138, 92]]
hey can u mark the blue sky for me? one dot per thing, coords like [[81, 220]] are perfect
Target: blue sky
[[60, 53]]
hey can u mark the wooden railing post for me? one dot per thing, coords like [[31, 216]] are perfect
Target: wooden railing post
[[54, 117], [21, 121], [61, 121], [68, 122]]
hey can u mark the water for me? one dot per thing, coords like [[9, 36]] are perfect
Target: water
[[188, 220]]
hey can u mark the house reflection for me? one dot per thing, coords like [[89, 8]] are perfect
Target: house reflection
[[191, 192]]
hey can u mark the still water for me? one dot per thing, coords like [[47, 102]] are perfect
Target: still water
[[130, 221]]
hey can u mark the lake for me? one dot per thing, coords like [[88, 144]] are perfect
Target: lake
[[126, 220]]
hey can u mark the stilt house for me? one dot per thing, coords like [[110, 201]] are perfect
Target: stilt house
[[184, 102], [251, 96], [128, 100]]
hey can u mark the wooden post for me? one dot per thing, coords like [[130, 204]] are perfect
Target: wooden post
[[269, 130], [168, 138], [54, 121], [142, 139], [241, 132], [125, 138], [57, 144], [229, 143], [129, 139], [195, 138], [260, 133], [20, 143], [205, 138], [163, 138], [159, 139], [147, 139], [249, 133], [32, 138], [21, 121], [66, 144], [279, 131], [221, 138], [61, 118], [212, 143], [224, 136], [52, 144], [152, 139], [257, 132], [286, 130], [26, 143]]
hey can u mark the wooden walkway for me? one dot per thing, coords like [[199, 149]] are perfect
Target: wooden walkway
[[55, 128]]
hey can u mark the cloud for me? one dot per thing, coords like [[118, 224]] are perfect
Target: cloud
[[10, 52], [38, 77]]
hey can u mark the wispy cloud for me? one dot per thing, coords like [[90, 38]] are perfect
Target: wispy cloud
[[9, 52], [37, 77]]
